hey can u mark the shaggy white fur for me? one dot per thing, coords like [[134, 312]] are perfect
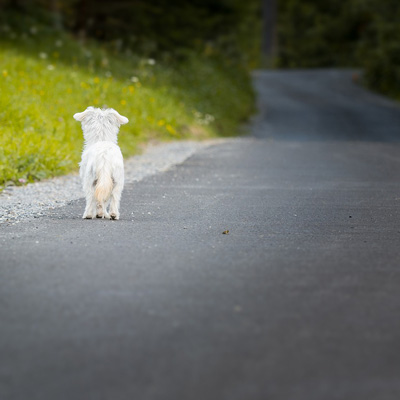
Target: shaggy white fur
[[102, 165]]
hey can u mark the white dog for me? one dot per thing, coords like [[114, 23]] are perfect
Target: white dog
[[102, 165]]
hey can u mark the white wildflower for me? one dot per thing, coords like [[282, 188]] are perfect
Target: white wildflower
[[151, 61], [209, 118], [203, 119], [134, 79], [43, 55], [50, 67], [59, 43]]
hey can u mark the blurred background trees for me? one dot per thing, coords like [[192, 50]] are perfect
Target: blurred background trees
[[227, 27], [334, 33], [296, 33]]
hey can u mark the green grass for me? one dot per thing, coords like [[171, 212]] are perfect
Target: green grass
[[46, 76]]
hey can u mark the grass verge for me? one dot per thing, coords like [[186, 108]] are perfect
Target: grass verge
[[46, 76]]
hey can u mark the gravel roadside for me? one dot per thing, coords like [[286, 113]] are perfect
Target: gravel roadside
[[21, 203]]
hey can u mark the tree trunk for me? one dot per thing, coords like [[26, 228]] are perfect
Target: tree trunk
[[269, 11], [57, 16]]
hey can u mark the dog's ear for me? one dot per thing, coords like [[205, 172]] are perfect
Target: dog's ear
[[82, 115], [120, 118]]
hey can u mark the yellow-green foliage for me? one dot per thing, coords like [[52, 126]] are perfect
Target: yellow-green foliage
[[44, 80]]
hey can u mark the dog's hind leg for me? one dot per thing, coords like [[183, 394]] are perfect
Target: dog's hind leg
[[90, 210], [106, 208], [115, 200], [101, 210]]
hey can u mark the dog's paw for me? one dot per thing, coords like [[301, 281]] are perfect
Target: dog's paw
[[87, 216], [114, 216], [103, 216]]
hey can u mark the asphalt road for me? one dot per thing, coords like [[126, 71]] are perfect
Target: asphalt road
[[301, 300]]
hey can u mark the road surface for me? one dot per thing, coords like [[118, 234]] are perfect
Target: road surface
[[300, 300]]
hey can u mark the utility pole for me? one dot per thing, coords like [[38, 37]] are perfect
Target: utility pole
[[269, 16]]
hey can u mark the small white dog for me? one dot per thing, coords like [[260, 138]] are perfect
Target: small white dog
[[102, 165]]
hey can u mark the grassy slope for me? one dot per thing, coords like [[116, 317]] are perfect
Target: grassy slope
[[47, 76]]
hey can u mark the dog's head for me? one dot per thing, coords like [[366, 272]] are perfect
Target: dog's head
[[100, 124]]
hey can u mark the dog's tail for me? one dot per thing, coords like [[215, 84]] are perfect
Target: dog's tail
[[104, 185]]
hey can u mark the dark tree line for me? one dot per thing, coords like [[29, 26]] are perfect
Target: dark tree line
[[153, 26], [360, 33]]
